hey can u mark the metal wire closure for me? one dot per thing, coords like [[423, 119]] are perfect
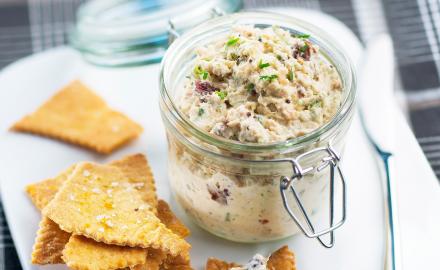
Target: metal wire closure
[[332, 161]]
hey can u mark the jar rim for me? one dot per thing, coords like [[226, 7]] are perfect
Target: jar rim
[[342, 113]]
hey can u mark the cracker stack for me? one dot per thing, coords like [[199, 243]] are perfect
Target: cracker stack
[[99, 217]]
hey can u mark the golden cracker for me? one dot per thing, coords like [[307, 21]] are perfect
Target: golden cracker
[[177, 262], [158, 258], [42, 193], [84, 205], [170, 220], [134, 166], [86, 254], [282, 259], [77, 115], [49, 243], [138, 172], [155, 258], [112, 257], [216, 264]]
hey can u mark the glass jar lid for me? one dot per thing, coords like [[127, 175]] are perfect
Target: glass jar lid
[[135, 32]]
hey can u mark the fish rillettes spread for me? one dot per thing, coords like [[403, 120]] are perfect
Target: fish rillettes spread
[[261, 86]]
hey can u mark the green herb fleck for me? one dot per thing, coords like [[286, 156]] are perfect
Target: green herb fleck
[[250, 87], [234, 56], [304, 48], [279, 57], [268, 78], [201, 111], [290, 75], [221, 94], [317, 103], [228, 217], [200, 72], [263, 65], [302, 36], [232, 41]]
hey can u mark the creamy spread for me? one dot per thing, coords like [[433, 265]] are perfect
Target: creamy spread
[[261, 86]]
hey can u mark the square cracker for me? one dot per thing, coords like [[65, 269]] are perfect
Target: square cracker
[[77, 255], [42, 193], [170, 220], [49, 243], [77, 115], [84, 253], [51, 240], [158, 258], [92, 204], [135, 166]]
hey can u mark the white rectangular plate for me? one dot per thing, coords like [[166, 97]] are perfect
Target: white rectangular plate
[[27, 158]]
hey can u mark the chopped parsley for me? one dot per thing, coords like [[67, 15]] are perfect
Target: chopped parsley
[[290, 76], [302, 36], [201, 111], [304, 48], [221, 94], [250, 87], [234, 56], [268, 78], [232, 41], [263, 65], [316, 103], [228, 217], [279, 57], [201, 73]]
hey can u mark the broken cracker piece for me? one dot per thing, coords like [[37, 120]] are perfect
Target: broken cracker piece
[[121, 219], [77, 115], [86, 254], [216, 264], [282, 259], [49, 243]]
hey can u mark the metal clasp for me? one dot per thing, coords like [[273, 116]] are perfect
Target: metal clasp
[[332, 161]]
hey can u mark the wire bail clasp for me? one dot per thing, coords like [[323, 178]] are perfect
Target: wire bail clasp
[[331, 160]]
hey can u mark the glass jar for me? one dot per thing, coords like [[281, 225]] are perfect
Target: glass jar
[[121, 33], [232, 189]]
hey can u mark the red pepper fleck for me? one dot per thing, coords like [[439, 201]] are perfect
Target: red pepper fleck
[[263, 221], [218, 195], [204, 88], [304, 51]]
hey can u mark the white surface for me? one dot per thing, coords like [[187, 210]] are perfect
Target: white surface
[[26, 158], [379, 118]]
